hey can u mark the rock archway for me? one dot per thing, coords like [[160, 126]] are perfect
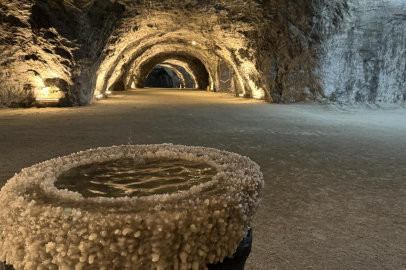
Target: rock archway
[[162, 77], [186, 80], [202, 76], [282, 50], [198, 47]]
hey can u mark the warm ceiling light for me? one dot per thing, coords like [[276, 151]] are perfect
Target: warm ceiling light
[[194, 43]]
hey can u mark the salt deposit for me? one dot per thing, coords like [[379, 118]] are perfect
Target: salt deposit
[[46, 228]]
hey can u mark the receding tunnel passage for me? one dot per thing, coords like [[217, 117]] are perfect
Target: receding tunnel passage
[[162, 77], [192, 68], [83, 50], [186, 78]]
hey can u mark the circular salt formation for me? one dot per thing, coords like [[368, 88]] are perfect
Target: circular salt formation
[[44, 227]]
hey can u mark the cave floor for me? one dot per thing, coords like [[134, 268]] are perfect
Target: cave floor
[[335, 194]]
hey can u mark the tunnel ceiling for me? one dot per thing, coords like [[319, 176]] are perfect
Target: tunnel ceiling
[[78, 49]]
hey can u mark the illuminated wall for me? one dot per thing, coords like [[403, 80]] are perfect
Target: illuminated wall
[[90, 47], [281, 50], [366, 60]]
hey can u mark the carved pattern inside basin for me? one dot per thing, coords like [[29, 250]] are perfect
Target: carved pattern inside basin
[[135, 177]]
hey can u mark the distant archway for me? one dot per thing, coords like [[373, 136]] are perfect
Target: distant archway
[[162, 77], [198, 71]]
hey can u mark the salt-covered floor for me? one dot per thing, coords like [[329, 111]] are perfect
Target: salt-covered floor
[[335, 195]]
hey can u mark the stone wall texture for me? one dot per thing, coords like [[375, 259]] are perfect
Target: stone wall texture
[[281, 50], [366, 60]]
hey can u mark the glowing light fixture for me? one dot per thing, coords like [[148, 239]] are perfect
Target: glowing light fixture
[[49, 94], [47, 99], [194, 43]]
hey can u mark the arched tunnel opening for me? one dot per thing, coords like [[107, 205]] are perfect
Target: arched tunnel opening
[[196, 64], [195, 74], [186, 79], [162, 77], [166, 70], [77, 45]]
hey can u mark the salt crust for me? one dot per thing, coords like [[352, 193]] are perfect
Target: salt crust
[[46, 228]]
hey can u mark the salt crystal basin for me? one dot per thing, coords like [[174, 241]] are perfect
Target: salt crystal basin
[[43, 227]]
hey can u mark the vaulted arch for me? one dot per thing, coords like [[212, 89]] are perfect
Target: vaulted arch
[[201, 72], [124, 65]]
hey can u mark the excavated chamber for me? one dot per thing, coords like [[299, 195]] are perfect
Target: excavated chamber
[[47, 228]]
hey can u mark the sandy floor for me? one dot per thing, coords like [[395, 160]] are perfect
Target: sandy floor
[[335, 195]]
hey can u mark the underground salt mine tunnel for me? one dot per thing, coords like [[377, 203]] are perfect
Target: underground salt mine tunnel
[[202, 134]]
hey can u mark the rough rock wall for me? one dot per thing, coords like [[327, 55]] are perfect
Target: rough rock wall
[[366, 60], [287, 44], [86, 46], [31, 51], [52, 44], [282, 50]]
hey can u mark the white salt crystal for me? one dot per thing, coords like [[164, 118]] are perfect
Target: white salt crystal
[[170, 231]]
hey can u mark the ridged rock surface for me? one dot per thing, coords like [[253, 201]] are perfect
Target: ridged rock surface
[[282, 50], [366, 61]]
